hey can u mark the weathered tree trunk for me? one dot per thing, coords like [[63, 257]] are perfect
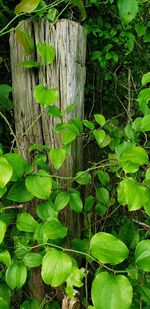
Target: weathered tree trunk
[[67, 73]]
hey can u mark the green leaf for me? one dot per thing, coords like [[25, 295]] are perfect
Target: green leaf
[[67, 136], [83, 177], [140, 29], [39, 184], [18, 164], [74, 279], [40, 234], [103, 195], [100, 119], [108, 249], [132, 194], [70, 107], [103, 177], [137, 124], [89, 202], [142, 255], [146, 79], [16, 276], [100, 137], [32, 259], [57, 157], [56, 267], [29, 64], [26, 6], [47, 52], [33, 304], [52, 14], [19, 192], [45, 96], [127, 10], [3, 228], [130, 159], [5, 172], [116, 291], [143, 99], [76, 202], [88, 124], [45, 211], [100, 209], [81, 7], [5, 102], [39, 147], [55, 111], [54, 229], [25, 40], [61, 201], [145, 123], [26, 223], [5, 296], [5, 258]]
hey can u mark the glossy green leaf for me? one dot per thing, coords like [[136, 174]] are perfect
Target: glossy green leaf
[[40, 234], [47, 52], [45, 96], [5, 258], [39, 184], [5, 172], [61, 201], [39, 147], [130, 159], [83, 177], [70, 107], [100, 119], [142, 255], [25, 40], [26, 223], [74, 279], [5, 296], [100, 209], [88, 124], [76, 202], [99, 136], [102, 195], [54, 229], [67, 137], [56, 267], [29, 64], [143, 99], [103, 177], [32, 259], [140, 29], [57, 157], [132, 194], [146, 79], [55, 111], [52, 14], [18, 164], [89, 202], [45, 210], [19, 192], [145, 123], [127, 10], [108, 249], [3, 228], [16, 276], [26, 6], [137, 124], [111, 292]]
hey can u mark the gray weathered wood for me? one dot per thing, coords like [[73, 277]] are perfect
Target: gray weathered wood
[[67, 73]]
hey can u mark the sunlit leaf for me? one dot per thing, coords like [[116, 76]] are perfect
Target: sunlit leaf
[[26, 6]]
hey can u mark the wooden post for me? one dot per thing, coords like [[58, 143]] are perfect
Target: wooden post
[[67, 73]]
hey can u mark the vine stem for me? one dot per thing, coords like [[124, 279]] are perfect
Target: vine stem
[[81, 253]]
